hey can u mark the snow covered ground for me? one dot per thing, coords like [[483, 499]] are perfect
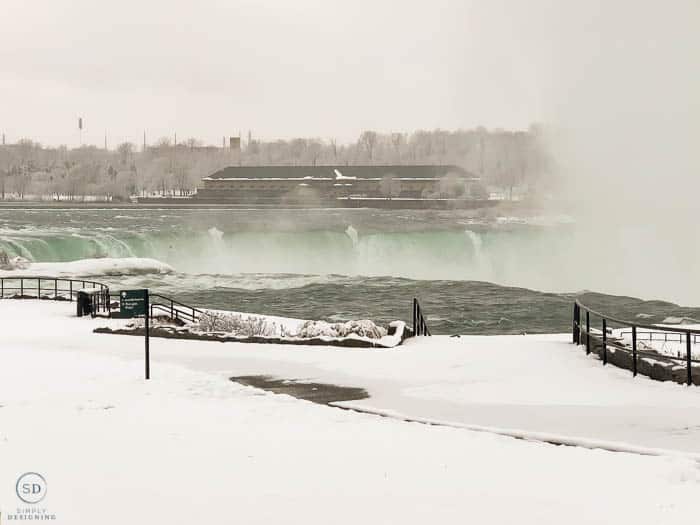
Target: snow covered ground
[[189, 446]]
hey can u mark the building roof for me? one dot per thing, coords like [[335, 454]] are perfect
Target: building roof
[[340, 172]]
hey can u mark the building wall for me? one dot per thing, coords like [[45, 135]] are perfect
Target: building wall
[[269, 184]]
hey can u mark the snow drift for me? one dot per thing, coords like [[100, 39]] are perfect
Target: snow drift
[[221, 325], [19, 267]]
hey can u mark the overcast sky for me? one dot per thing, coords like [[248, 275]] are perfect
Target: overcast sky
[[293, 68]]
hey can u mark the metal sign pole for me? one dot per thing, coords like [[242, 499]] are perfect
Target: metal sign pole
[[148, 355]]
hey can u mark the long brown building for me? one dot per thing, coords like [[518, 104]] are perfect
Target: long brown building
[[380, 186]]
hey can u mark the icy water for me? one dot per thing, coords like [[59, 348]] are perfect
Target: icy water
[[471, 275]]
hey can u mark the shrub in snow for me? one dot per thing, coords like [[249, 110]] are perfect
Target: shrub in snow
[[362, 328], [240, 325], [253, 325]]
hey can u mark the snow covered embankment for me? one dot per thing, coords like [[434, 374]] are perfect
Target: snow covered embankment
[[218, 325], [19, 267]]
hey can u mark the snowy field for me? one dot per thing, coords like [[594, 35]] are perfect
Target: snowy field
[[189, 446]]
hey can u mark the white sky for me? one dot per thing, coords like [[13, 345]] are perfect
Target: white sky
[[299, 68], [279, 68]]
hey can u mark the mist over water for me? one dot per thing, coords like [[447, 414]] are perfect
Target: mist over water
[[471, 276], [547, 255], [358, 243], [620, 85]]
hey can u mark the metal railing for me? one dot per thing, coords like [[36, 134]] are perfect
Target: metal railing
[[420, 327], [661, 337], [54, 288], [583, 334], [59, 289], [169, 307], [173, 308]]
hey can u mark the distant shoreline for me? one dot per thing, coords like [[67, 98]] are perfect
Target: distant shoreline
[[23, 205], [389, 204]]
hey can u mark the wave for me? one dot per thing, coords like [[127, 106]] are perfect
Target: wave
[[174, 283]]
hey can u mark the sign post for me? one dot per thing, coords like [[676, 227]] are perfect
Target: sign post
[[148, 354], [131, 304]]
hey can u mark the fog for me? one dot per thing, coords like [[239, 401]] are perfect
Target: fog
[[621, 83]]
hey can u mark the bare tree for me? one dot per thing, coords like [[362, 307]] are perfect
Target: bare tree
[[193, 143], [297, 148], [368, 140], [181, 178], [334, 148], [125, 150], [20, 183], [397, 141], [314, 150]]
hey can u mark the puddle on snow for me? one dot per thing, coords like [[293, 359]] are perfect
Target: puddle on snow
[[321, 393]]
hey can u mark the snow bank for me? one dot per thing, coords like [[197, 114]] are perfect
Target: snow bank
[[361, 328], [239, 326], [222, 325], [88, 268]]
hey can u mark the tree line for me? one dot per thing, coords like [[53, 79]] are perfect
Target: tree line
[[504, 159]]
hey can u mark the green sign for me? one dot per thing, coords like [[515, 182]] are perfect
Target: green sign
[[133, 303]]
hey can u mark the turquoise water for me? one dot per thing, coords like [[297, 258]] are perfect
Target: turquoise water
[[470, 276]]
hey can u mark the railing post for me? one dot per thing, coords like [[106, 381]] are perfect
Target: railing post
[[55, 289], [688, 357], [2, 287], [171, 309], [415, 333], [38, 288], [588, 332], [70, 293], [21, 287], [634, 351], [577, 319], [605, 341]]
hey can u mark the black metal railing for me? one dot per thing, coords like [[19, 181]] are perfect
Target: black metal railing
[[584, 334], [59, 289], [661, 337], [173, 308], [55, 288], [169, 307], [100, 302], [420, 327]]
